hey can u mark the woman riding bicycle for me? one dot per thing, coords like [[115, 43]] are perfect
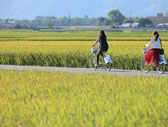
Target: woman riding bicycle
[[152, 55], [103, 44]]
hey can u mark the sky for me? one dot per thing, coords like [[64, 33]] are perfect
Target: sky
[[29, 9]]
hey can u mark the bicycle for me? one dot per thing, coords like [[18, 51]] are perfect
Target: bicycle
[[106, 60], [162, 63]]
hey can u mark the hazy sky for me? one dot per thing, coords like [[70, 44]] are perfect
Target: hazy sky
[[29, 9]]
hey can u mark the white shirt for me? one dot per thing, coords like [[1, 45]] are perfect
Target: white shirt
[[155, 44]]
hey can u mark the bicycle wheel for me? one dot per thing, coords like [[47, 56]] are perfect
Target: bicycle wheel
[[144, 67], [93, 62], [162, 68], [108, 66]]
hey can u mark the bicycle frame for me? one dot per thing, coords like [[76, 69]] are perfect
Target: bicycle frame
[[105, 61]]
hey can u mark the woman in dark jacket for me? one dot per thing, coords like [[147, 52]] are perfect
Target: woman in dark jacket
[[103, 44]]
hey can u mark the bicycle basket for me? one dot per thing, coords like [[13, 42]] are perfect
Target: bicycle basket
[[162, 60], [107, 59], [144, 50], [94, 50]]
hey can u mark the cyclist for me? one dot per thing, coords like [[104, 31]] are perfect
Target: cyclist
[[152, 55], [103, 44]]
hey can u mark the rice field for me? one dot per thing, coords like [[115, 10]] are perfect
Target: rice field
[[30, 35], [56, 99], [125, 54]]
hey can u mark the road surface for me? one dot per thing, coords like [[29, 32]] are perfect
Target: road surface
[[84, 70]]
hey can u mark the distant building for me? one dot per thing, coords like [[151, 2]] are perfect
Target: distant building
[[159, 19], [10, 21], [126, 25], [135, 24], [162, 25]]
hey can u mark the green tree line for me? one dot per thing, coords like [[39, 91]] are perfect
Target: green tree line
[[114, 18]]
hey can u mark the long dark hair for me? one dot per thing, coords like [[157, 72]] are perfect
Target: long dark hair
[[102, 36], [157, 35]]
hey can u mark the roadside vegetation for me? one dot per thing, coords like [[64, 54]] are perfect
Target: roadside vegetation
[[50, 99]]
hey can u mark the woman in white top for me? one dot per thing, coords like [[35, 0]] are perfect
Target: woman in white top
[[152, 55]]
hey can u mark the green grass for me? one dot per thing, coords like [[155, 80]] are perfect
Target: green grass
[[56, 99], [30, 35]]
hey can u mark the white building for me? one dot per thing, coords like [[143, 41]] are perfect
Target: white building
[[126, 25], [135, 24], [11, 21], [162, 24]]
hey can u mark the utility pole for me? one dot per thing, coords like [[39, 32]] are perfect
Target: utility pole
[[130, 15], [69, 20], [58, 26]]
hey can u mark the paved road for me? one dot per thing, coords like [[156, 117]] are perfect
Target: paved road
[[83, 70]]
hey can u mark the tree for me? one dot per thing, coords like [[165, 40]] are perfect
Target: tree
[[103, 21], [167, 14], [38, 21], [128, 21], [50, 22], [77, 21], [6, 21], [144, 22], [116, 17], [86, 19], [18, 26], [32, 26], [24, 26]]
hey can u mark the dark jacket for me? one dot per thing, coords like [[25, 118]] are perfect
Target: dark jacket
[[103, 45]]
